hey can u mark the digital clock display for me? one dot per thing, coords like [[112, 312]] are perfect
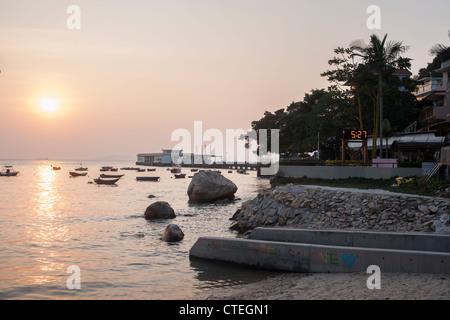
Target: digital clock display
[[355, 135]]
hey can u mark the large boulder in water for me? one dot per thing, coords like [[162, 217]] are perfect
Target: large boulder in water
[[159, 210], [172, 233], [210, 186]]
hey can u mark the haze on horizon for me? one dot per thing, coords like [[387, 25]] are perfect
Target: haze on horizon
[[138, 70]]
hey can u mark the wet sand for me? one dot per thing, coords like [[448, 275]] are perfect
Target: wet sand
[[325, 286]]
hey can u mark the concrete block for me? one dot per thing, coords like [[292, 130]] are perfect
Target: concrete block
[[365, 239], [313, 258]]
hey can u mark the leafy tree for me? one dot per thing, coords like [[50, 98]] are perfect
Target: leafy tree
[[383, 57]]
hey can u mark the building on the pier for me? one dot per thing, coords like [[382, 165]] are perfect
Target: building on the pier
[[165, 158]]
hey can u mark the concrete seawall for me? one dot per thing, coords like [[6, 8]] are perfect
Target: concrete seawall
[[323, 256], [381, 240]]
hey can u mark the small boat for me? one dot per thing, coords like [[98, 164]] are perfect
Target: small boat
[[150, 170], [230, 171], [77, 174], [147, 179], [243, 171], [175, 169], [56, 168], [8, 171], [180, 176], [114, 169], [105, 168], [114, 176], [140, 170], [80, 168], [194, 170], [106, 181]]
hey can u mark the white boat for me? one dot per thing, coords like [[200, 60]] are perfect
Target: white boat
[[81, 168], [8, 171]]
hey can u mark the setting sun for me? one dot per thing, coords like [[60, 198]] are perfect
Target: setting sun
[[49, 105]]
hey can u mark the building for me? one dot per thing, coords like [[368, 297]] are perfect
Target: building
[[402, 74], [436, 92], [151, 159], [165, 158], [409, 147]]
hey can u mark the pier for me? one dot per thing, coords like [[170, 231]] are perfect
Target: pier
[[232, 166], [190, 160]]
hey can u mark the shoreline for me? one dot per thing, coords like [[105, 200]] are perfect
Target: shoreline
[[337, 286], [328, 286]]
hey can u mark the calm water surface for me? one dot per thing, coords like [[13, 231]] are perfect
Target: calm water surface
[[50, 221]]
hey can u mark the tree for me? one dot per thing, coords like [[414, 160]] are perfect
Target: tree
[[324, 111], [350, 77], [441, 51], [382, 57]]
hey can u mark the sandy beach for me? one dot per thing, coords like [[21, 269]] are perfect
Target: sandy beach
[[325, 286]]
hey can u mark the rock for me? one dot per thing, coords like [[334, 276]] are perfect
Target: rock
[[442, 225], [159, 210], [172, 233], [433, 209], [210, 186], [300, 207]]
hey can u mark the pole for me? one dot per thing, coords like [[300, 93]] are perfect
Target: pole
[[318, 145], [381, 123]]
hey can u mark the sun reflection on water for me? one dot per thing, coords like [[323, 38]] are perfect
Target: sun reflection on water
[[48, 226], [48, 219]]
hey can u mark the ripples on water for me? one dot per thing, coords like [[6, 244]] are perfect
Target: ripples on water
[[50, 221]]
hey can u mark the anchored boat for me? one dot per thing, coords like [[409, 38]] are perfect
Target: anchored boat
[[147, 179], [8, 171], [77, 174], [106, 181]]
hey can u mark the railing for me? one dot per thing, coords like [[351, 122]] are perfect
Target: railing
[[428, 87], [427, 114]]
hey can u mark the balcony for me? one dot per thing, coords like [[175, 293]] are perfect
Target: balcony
[[432, 115], [430, 85]]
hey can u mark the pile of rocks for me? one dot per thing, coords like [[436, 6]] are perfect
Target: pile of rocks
[[321, 208]]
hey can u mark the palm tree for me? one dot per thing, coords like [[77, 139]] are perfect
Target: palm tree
[[441, 51], [382, 57]]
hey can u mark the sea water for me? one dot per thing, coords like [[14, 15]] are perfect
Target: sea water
[[50, 221]]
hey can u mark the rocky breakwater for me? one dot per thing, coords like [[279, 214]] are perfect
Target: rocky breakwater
[[321, 208]]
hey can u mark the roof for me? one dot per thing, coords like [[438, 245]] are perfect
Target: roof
[[402, 72], [419, 141], [409, 140]]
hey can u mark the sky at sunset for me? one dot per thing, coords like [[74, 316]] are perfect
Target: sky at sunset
[[138, 70]]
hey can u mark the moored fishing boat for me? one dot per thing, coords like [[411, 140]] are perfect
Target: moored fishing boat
[[106, 181], [8, 171], [77, 174], [147, 179], [81, 168], [114, 176], [176, 169]]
